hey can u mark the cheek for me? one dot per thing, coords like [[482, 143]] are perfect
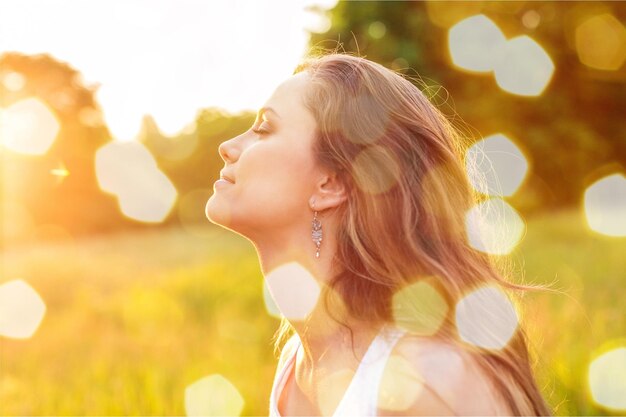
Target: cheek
[[279, 178], [279, 181]]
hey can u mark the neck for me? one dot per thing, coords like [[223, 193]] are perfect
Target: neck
[[297, 279]]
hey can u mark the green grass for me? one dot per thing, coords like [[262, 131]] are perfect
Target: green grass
[[133, 319], [568, 329]]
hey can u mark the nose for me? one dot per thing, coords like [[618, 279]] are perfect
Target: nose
[[227, 150]]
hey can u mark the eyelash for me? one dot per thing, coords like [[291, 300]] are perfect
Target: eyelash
[[260, 132]]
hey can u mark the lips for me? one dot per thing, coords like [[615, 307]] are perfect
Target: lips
[[226, 177]]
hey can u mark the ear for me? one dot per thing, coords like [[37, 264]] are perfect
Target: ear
[[329, 192]]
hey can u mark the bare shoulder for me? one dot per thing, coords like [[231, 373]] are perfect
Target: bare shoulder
[[288, 350], [426, 376]]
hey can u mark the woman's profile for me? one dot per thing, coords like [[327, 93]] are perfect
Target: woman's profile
[[352, 175]]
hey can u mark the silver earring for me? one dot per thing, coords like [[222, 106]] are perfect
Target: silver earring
[[316, 234]]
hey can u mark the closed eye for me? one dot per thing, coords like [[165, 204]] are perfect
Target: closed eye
[[261, 131]]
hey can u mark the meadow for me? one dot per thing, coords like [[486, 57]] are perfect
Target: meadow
[[134, 318]]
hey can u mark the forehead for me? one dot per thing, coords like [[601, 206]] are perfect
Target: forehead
[[287, 99]]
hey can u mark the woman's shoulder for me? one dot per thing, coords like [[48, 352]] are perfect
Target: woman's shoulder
[[440, 377], [288, 349]]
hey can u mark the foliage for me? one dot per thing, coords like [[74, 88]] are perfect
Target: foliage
[[137, 328], [569, 132], [76, 204]]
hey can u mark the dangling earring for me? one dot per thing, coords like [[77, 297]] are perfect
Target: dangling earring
[[316, 234]]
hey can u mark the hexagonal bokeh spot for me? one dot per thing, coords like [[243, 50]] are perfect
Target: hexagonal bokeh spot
[[129, 171], [486, 318], [213, 395], [605, 205], [494, 226], [496, 166], [21, 309], [293, 291], [400, 384], [28, 127], [375, 170], [419, 308], [601, 42], [474, 43], [524, 67], [606, 379]]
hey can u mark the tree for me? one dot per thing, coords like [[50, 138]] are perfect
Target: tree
[[573, 129]]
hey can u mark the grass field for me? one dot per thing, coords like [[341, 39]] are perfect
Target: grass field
[[133, 319]]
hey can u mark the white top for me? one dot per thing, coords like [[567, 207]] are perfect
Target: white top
[[361, 396]]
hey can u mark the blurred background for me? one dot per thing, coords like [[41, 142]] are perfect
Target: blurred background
[[118, 297]]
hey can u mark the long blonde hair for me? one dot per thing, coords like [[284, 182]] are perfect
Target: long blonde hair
[[403, 163]]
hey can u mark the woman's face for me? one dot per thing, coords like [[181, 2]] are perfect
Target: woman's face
[[272, 167]]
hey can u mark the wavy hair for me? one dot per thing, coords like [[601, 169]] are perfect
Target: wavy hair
[[404, 167]]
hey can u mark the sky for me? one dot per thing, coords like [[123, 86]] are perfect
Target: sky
[[167, 58]]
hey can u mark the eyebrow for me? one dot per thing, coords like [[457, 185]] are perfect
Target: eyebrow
[[266, 109]]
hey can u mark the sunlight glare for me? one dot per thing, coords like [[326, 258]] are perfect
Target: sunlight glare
[[268, 300], [323, 4], [400, 384], [486, 318], [605, 205], [494, 226], [161, 57], [60, 172], [129, 171], [294, 291], [520, 65], [21, 309], [213, 395], [375, 170], [474, 43], [524, 67], [174, 148], [419, 308], [118, 111], [601, 42], [28, 127], [316, 22], [496, 166], [13, 81], [144, 14], [607, 379]]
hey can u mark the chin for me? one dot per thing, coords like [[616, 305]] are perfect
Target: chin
[[217, 213]]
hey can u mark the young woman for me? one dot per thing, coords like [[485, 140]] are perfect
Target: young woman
[[353, 179]]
